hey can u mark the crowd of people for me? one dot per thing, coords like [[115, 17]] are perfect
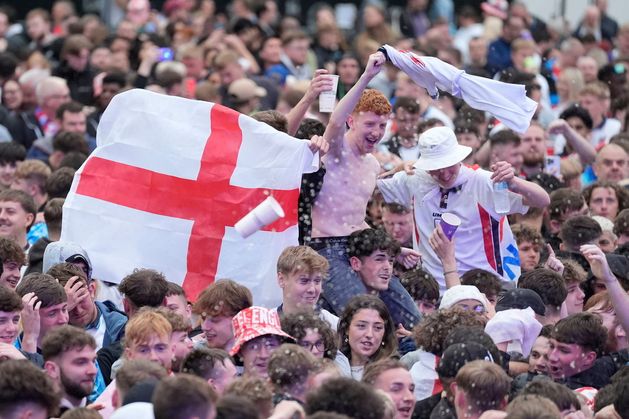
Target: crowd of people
[[447, 267]]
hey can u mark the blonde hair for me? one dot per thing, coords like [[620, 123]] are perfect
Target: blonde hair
[[301, 259], [143, 325], [34, 172], [520, 43], [574, 78], [570, 169], [598, 89]]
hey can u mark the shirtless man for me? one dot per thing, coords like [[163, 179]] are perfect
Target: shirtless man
[[350, 180]]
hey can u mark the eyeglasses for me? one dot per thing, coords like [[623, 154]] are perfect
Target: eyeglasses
[[268, 344], [319, 345], [479, 309]]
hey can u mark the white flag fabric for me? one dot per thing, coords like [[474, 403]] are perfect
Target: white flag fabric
[[507, 102], [166, 184]]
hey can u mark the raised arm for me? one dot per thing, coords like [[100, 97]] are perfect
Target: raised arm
[[319, 83], [533, 195], [600, 268], [336, 127], [445, 250], [585, 150]]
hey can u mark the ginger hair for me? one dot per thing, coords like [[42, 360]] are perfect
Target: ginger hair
[[373, 101]]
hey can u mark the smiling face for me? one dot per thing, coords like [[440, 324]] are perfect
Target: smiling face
[[14, 221], [9, 326], [374, 270], [367, 129], [300, 289], [218, 331], [398, 384], [365, 334], [538, 360], [10, 274], [446, 177]]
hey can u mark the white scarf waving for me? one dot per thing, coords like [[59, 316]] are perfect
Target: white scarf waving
[[507, 102]]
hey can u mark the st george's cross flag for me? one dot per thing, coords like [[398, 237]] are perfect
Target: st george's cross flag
[[166, 184]]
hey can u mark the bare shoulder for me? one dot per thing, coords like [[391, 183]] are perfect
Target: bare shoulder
[[373, 162]]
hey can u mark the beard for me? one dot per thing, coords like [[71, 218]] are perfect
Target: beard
[[533, 159], [74, 389]]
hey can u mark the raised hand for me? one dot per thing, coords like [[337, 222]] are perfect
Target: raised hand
[[319, 83], [375, 64], [443, 247], [318, 143], [558, 126], [76, 291], [30, 322], [552, 262], [598, 262]]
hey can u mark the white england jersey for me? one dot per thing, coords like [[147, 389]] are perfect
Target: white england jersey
[[483, 240]]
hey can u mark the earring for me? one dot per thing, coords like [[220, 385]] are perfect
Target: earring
[[382, 343], [346, 339]]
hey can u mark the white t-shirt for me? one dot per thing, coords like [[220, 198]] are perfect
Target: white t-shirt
[[483, 240], [409, 154], [602, 134]]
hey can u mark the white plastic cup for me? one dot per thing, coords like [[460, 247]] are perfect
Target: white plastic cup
[[449, 224], [262, 215], [327, 99]]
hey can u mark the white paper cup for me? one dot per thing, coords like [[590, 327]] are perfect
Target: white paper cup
[[262, 215], [327, 99], [449, 224]]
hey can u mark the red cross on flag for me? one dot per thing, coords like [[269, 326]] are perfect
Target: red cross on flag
[[167, 183]]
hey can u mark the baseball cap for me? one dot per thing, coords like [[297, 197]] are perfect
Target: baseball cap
[[459, 354], [254, 322], [521, 298], [439, 148], [243, 90]]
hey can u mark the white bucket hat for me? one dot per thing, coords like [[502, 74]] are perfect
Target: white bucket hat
[[459, 293], [439, 149]]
